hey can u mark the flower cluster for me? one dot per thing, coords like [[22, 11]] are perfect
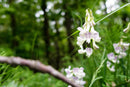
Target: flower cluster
[[120, 49], [88, 35], [76, 75], [113, 58]]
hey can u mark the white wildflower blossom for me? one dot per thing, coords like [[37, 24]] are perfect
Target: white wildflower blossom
[[88, 35], [121, 55], [80, 41], [112, 69], [89, 51], [125, 46], [69, 72], [120, 49], [95, 46], [112, 58], [117, 48], [76, 75], [81, 51], [79, 72], [110, 66]]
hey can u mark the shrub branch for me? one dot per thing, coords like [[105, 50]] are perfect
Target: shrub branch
[[37, 66]]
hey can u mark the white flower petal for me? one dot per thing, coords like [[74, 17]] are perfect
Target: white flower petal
[[89, 52], [112, 69], [76, 76], [108, 64], [80, 41], [94, 45], [88, 34], [80, 28], [117, 48], [111, 56], [126, 45], [122, 54], [81, 51]]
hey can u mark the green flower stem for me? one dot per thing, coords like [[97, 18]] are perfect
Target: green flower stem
[[103, 17], [94, 78], [112, 12]]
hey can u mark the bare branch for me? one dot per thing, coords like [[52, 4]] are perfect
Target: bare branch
[[38, 66]]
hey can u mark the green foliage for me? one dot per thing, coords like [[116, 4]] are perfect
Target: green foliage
[[23, 77], [21, 34]]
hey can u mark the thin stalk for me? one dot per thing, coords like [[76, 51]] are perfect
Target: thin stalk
[[33, 43], [115, 73], [128, 61], [102, 18], [104, 73], [112, 12], [123, 68], [94, 78]]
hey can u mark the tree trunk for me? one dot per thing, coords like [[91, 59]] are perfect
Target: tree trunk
[[13, 27], [68, 23], [45, 30], [57, 47]]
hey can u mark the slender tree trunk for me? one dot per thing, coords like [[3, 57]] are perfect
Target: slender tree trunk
[[45, 29], [13, 27], [68, 23], [57, 46]]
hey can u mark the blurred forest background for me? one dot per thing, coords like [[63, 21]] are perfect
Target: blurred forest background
[[41, 30]]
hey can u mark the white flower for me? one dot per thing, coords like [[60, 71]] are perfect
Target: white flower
[[79, 72], [80, 28], [112, 57], [88, 35], [69, 72], [110, 66], [121, 55], [88, 15], [94, 45], [81, 51], [89, 52], [69, 86], [117, 47], [112, 69], [75, 75], [125, 45], [80, 41], [81, 82], [120, 48]]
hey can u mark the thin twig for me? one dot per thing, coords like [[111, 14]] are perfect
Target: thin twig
[[38, 66]]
